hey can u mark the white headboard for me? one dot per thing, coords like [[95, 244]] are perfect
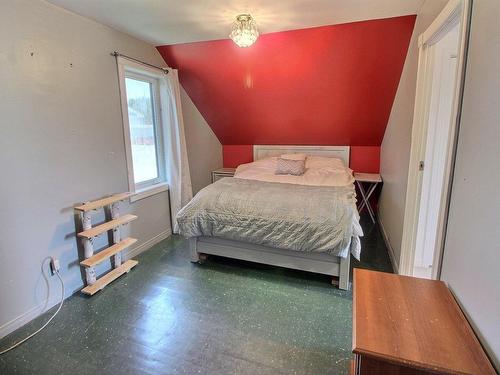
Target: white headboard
[[264, 151]]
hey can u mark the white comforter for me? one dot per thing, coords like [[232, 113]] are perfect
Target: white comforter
[[285, 216], [315, 212]]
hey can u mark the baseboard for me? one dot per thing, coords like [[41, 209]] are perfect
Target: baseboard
[[395, 266], [27, 317], [38, 310], [133, 252]]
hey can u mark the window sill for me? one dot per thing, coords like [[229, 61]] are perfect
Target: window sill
[[148, 191]]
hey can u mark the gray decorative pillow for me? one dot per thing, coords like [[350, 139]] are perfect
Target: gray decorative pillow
[[293, 167]]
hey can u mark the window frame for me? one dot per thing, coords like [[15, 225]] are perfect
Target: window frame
[[129, 69]]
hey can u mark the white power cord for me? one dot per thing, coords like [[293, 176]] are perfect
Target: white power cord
[[55, 269]]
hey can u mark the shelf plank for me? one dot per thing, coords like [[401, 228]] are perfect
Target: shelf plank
[[102, 202], [95, 231], [109, 277], [107, 253]]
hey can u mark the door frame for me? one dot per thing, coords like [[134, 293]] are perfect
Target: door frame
[[456, 11]]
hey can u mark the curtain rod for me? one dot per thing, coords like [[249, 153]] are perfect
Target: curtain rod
[[116, 54]]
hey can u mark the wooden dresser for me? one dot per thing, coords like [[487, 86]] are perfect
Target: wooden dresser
[[404, 325]]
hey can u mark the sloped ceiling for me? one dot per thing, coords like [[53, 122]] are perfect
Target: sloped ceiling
[[331, 85], [175, 21]]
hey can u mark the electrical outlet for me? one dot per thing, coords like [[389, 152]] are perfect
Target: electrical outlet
[[54, 265]]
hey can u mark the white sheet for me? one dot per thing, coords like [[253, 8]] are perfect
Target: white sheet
[[320, 171]]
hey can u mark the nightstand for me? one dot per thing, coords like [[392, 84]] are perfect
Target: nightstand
[[372, 179], [221, 173]]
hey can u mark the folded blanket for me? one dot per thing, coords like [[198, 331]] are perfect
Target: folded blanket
[[285, 216]]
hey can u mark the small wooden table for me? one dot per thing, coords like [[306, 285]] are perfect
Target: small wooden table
[[405, 325], [373, 179], [221, 173]]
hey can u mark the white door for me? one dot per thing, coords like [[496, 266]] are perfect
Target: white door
[[438, 139], [441, 68]]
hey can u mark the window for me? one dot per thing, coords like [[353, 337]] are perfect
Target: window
[[141, 108]]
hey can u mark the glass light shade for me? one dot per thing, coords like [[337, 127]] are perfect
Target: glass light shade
[[244, 32]]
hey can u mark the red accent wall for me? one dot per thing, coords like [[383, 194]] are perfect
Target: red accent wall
[[365, 159], [234, 155], [331, 85]]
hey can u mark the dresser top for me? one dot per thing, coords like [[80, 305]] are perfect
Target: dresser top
[[413, 322]]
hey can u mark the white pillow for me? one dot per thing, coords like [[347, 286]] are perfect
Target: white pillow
[[324, 162], [294, 156], [292, 167]]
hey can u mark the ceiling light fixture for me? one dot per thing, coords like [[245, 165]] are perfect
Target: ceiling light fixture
[[244, 32]]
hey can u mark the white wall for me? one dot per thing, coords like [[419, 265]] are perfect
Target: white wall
[[395, 150], [204, 149], [472, 246], [61, 143], [472, 250]]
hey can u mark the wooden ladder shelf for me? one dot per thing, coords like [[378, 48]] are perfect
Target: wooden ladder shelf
[[114, 251]]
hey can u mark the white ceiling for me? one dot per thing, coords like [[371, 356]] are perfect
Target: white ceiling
[[179, 21]]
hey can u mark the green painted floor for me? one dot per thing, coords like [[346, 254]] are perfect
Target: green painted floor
[[168, 316]]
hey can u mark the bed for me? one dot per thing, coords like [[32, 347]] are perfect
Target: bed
[[307, 222]]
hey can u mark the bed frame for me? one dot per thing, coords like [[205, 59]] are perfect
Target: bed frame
[[313, 262]]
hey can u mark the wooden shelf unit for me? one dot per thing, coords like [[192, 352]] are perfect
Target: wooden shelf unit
[[113, 251]]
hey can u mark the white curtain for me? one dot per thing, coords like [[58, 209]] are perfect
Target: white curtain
[[178, 177]]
